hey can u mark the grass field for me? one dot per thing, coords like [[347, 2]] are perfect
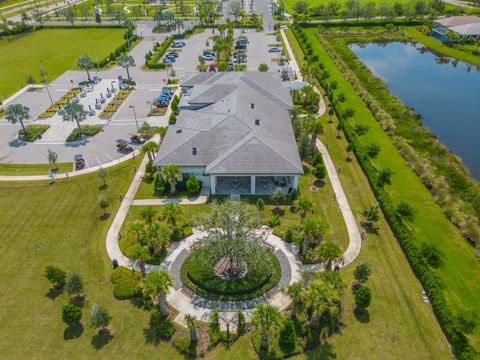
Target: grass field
[[33, 169], [57, 48], [460, 266], [313, 3], [398, 317]]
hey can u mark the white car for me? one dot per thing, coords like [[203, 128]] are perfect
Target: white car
[[208, 57], [274, 49]]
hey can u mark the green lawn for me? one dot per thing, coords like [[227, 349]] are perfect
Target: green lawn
[[33, 169], [400, 324], [313, 3], [57, 48], [461, 268]]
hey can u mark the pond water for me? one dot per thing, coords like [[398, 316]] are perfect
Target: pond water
[[446, 95]]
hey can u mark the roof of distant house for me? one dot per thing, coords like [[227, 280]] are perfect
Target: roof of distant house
[[458, 20], [467, 30], [238, 123]]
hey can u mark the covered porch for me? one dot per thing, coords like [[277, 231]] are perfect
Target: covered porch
[[251, 184]]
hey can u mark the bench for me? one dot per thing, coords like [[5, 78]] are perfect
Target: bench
[[189, 293], [270, 293]]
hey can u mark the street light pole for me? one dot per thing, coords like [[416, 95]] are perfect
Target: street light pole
[[46, 81], [135, 116]]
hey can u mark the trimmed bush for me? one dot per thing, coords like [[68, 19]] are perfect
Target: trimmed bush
[[126, 283], [34, 132], [160, 325], [193, 185], [86, 131]]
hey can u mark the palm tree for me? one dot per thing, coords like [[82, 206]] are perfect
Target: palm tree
[[150, 148], [295, 292], [156, 285], [321, 301], [192, 327], [328, 252], [266, 319], [316, 128], [157, 237], [136, 228], [84, 62], [126, 61], [17, 113], [147, 214], [74, 111], [140, 255], [311, 232], [171, 212], [305, 204], [170, 173]]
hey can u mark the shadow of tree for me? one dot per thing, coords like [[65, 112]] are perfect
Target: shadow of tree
[[105, 216], [362, 315], [323, 352], [74, 331], [101, 339], [78, 300], [53, 293]]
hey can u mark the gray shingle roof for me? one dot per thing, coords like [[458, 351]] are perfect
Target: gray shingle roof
[[224, 131]]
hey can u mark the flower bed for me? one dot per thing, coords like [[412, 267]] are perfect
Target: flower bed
[[117, 101], [60, 103], [33, 132]]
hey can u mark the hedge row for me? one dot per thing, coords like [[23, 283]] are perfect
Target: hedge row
[[430, 281], [153, 62]]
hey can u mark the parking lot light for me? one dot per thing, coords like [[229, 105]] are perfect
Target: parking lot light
[[135, 116]]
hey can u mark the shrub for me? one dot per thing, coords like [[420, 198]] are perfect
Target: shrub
[[363, 296], [73, 284], [126, 283], [293, 194], [71, 314], [260, 204], [55, 275], [160, 186], [288, 337], [274, 221], [172, 120], [320, 172], [184, 345], [34, 132], [362, 272], [160, 325], [263, 67], [86, 130], [193, 185]]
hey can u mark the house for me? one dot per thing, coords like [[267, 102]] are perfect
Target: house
[[468, 30], [234, 133], [457, 24]]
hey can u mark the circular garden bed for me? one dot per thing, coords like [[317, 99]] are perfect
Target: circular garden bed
[[200, 276]]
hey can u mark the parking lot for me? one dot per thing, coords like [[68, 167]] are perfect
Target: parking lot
[[102, 147]]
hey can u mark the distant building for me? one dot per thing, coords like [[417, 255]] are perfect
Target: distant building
[[464, 26], [234, 133]]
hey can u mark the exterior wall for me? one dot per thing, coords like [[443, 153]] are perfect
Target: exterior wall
[[199, 173], [213, 181]]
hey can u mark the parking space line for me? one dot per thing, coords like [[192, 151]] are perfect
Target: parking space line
[[109, 157], [96, 157]]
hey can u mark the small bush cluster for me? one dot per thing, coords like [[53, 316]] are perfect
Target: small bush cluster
[[85, 130], [34, 132], [126, 283], [152, 61]]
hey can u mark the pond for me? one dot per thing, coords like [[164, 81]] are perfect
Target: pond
[[446, 94]]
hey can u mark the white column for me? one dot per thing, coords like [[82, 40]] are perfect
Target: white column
[[295, 182], [213, 183], [252, 185]]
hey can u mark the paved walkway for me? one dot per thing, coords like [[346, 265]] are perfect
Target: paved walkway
[[201, 199]]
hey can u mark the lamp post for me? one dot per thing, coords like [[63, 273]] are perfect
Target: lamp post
[[135, 116], [46, 81]]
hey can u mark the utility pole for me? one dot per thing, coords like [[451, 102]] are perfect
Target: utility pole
[[46, 81]]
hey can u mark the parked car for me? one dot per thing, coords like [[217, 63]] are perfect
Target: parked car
[[274, 49], [208, 57], [240, 46], [178, 44], [125, 148], [173, 53], [208, 52], [212, 68], [166, 61], [137, 139], [79, 162]]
